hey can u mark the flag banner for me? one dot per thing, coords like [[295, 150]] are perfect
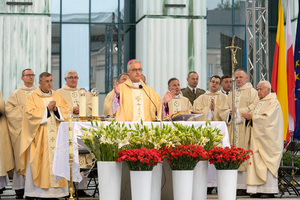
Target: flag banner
[[290, 72], [245, 48], [297, 80], [279, 78]]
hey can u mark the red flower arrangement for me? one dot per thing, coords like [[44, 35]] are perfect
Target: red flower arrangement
[[228, 158], [184, 157], [140, 159]]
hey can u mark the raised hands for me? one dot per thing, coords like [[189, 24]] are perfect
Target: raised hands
[[169, 96], [117, 88]]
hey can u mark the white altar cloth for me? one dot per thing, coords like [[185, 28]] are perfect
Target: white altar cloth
[[61, 167]]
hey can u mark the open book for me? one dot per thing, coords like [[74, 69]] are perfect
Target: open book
[[181, 116]]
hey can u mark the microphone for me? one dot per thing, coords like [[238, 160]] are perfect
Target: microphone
[[141, 87]]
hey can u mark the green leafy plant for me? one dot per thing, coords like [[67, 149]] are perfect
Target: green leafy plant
[[106, 141]]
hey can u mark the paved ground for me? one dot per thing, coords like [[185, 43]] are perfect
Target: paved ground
[[10, 194]]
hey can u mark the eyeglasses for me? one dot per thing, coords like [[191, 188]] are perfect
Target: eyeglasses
[[29, 75], [214, 82], [135, 70], [73, 78]]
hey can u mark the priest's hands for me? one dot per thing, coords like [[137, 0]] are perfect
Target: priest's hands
[[247, 116], [117, 88], [169, 96], [52, 106], [76, 109], [234, 109], [212, 104]]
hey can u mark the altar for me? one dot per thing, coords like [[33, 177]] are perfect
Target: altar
[[61, 166]]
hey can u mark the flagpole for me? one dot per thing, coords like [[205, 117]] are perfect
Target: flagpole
[[233, 50]]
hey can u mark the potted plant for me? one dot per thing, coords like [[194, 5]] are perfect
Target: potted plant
[[140, 163], [105, 142], [207, 137], [227, 161], [182, 160]]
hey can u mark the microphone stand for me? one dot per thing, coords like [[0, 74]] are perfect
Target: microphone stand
[[156, 118]]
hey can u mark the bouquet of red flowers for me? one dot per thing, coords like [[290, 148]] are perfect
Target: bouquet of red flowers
[[184, 157], [228, 158], [140, 159]]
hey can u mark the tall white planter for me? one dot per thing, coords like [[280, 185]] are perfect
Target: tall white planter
[[182, 184], [109, 175], [141, 185], [200, 181], [227, 182], [156, 182]]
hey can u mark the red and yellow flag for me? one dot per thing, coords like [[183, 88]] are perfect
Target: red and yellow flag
[[279, 79], [290, 71]]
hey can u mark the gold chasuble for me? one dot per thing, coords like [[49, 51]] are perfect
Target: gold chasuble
[[178, 104], [266, 140], [41, 138], [203, 102], [71, 95], [6, 156], [136, 105], [14, 112], [107, 107]]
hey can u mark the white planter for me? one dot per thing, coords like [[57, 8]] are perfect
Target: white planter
[[141, 185], [182, 184], [227, 182], [109, 176], [156, 182], [200, 181]]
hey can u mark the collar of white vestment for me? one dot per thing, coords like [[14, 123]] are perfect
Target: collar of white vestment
[[269, 96], [177, 96], [23, 87], [46, 93], [246, 86], [136, 84], [213, 93], [69, 88]]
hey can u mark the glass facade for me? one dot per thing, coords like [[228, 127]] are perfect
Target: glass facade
[[225, 18], [97, 38], [93, 37]]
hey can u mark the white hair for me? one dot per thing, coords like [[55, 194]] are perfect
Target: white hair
[[266, 84], [131, 62], [70, 71]]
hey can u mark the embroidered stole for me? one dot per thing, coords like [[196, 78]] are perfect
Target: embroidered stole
[[138, 104], [175, 105], [75, 97], [51, 132]]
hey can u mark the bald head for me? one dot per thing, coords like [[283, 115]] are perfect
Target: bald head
[[263, 89]]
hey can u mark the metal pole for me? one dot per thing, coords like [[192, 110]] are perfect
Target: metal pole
[[234, 63]]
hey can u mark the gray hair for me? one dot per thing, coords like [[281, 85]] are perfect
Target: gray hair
[[70, 71], [266, 83], [133, 61], [46, 74]]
